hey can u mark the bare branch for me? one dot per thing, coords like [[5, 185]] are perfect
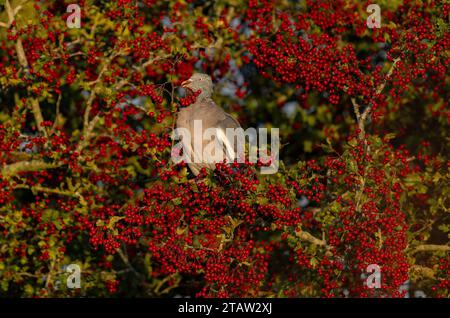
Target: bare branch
[[17, 9], [308, 237], [26, 166], [388, 75], [151, 61], [356, 109], [127, 262], [38, 188], [88, 133], [431, 248], [58, 105], [9, 11]]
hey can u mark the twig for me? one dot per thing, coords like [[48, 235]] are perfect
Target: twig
[[151, 61], [87, 134], [48, 190], [26, 274], [58, 104], [49, 277], [308, 237], [356, 109], [162, 282], [127, 262]]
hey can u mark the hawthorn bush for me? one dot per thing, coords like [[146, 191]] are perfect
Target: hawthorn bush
[[86, 116]]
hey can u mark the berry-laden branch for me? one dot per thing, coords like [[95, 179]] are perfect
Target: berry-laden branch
[[89, 125], [361, 121], [362, 117], [36, 109]]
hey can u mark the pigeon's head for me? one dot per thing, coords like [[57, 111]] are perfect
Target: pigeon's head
[[199, 81]]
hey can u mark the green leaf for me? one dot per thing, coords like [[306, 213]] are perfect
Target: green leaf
[[390, 136], [307, 145], [113, 221]]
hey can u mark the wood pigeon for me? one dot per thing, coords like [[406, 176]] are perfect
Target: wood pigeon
[[199, 117]]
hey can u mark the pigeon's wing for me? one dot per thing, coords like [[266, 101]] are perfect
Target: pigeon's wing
[[227, 134], [229, 122], [230, 141]]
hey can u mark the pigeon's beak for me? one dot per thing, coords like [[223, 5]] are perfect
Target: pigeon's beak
[[186, 83]]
